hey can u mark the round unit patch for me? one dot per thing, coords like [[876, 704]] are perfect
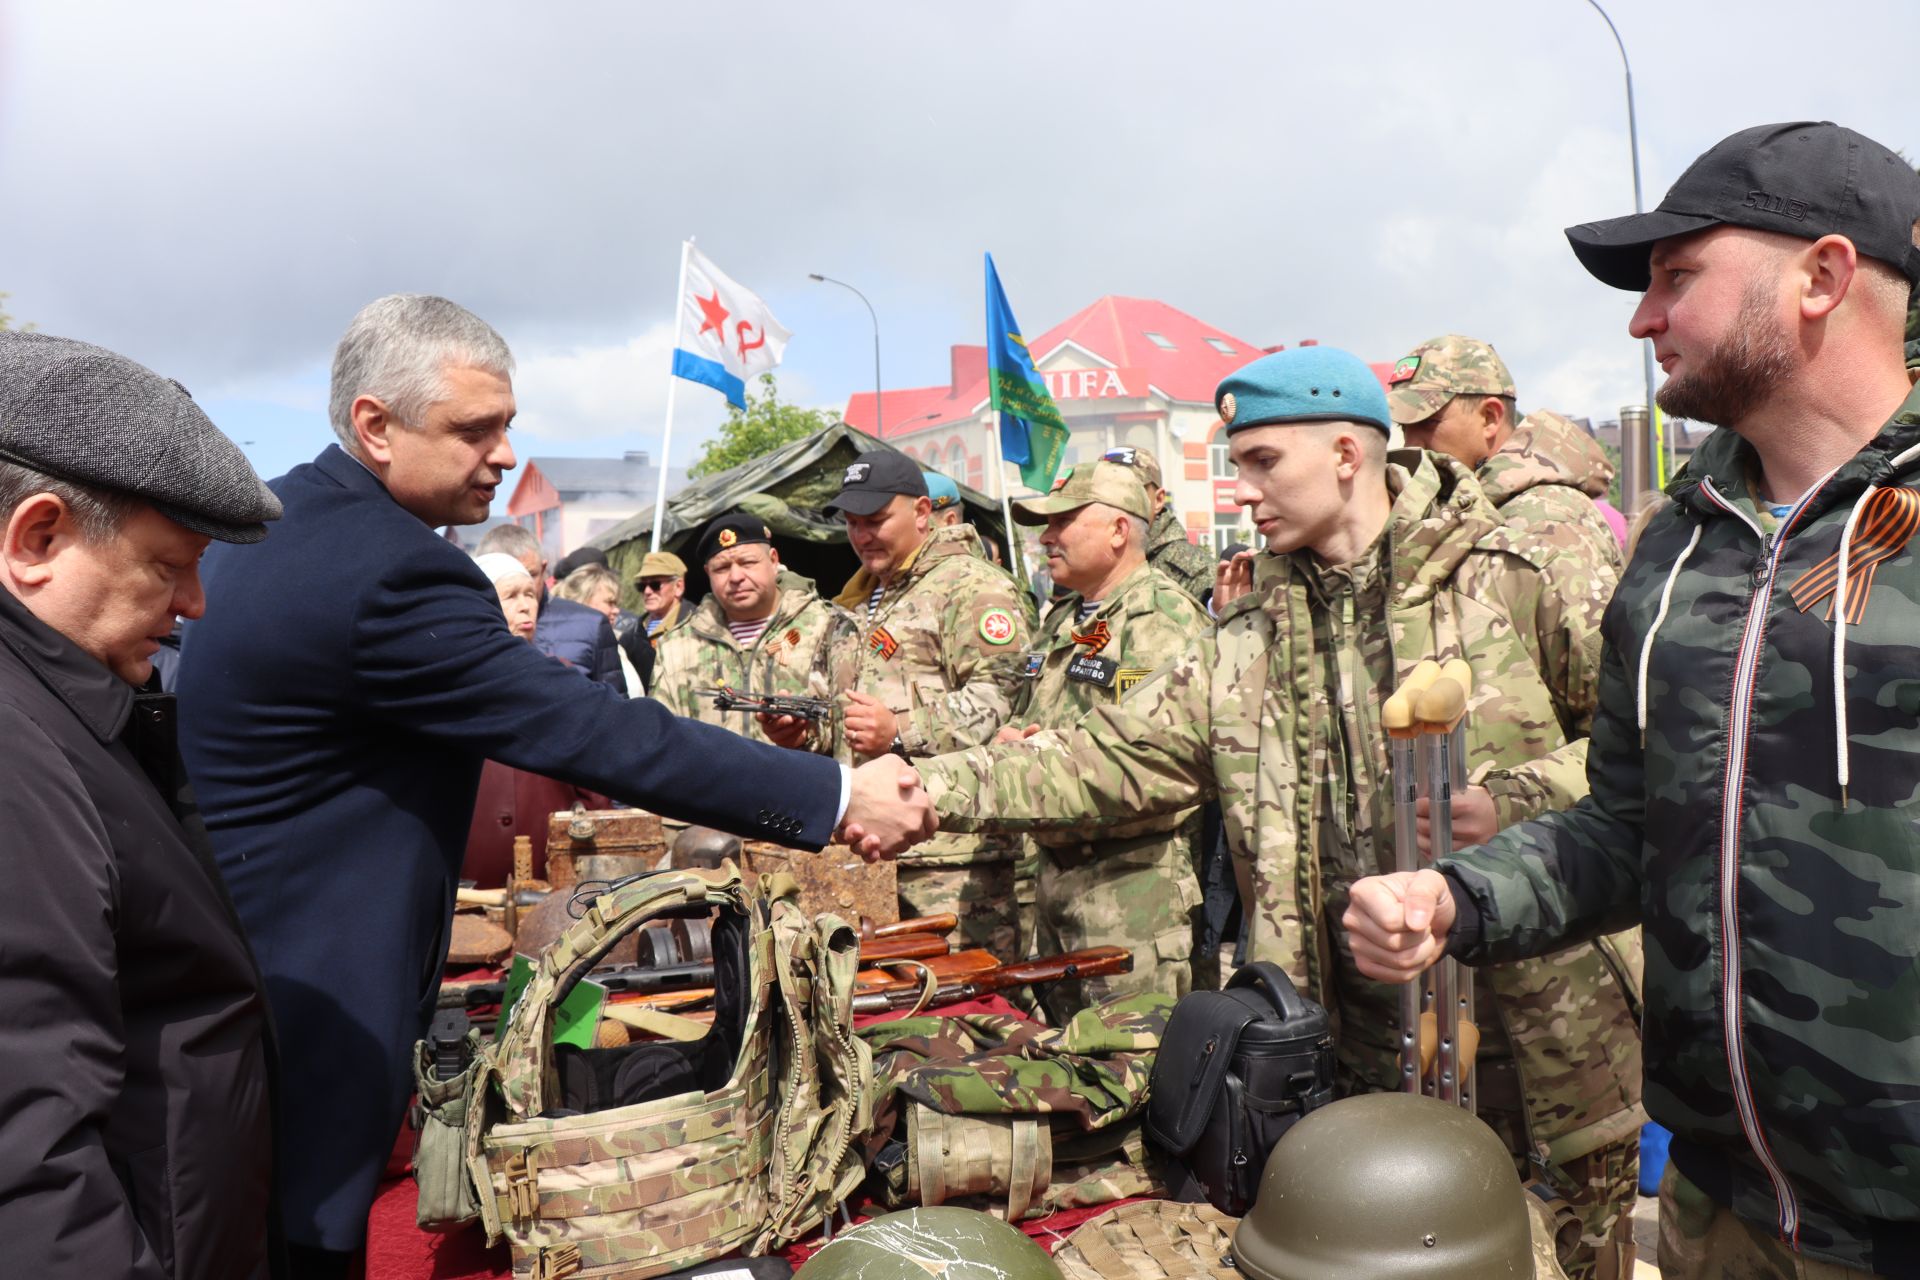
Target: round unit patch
[[996, 626], [728, 537]]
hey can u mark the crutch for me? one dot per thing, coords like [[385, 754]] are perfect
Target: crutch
[[1404, 756], [1440, 709]]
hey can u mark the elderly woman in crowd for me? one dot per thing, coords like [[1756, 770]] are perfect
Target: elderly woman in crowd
[[513, 802]]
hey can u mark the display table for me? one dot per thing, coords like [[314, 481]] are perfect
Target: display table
[[399, 1250]]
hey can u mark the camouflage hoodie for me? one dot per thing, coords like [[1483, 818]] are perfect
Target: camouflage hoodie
[[1545, 480], [1756, 804], [1171, 552], [1277, 713]]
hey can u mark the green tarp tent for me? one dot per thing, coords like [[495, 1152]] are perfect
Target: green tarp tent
[[788, 489]]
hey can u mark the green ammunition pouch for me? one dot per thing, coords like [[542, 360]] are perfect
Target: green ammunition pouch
[[1002, 1114], [446, 1195], [639, 1160]]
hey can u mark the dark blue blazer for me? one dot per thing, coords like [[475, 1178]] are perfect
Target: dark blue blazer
[[582, 637], [351, 674]]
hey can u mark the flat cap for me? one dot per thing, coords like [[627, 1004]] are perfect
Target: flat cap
[[661, 564], [1306, 384], [82, 414], [734, 529], [1437, 370], [1114, 483]]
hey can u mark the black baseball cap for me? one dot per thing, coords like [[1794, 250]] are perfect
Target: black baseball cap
[[875, 480], [734, 529], [1806, 178]]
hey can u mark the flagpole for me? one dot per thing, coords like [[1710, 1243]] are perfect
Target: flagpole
[[1006, 502], [673, 389]]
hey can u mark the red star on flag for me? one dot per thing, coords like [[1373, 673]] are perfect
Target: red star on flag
[[716, 315]]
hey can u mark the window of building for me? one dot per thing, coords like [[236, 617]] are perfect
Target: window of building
[[956, 461], [1220, 465], [1228, 529], [1161, 341], [1221, 345]]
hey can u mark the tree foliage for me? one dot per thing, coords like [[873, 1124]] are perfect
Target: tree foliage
[[763, 426], [7, 321]]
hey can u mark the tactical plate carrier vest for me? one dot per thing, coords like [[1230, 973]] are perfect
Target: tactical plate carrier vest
[[639, 1160]]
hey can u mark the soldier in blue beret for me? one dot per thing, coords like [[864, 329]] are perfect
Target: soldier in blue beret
[[1373, 561]]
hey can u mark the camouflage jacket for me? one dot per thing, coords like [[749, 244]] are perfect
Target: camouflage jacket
[[1789, 897], [790, 657], [1073, 667], [943, 651], [1169, 551], [1257, 713]]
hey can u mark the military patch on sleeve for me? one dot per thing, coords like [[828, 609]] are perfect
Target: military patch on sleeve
[[1030, 670], [1404, 371], [1127, 677], [997, 626], [881, 641]]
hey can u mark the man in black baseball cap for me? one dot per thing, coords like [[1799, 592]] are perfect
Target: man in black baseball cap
[[877, 479], [1753, 757], [136, 1090]]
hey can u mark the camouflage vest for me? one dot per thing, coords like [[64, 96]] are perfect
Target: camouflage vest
[[751, 1161], [1263, 652]]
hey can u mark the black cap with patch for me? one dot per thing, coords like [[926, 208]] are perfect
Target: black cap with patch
[[1805, 178], [877, 479], [734, 529]]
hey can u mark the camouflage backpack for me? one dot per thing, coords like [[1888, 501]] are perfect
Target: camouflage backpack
[[639, 1160], [1021, 1120]]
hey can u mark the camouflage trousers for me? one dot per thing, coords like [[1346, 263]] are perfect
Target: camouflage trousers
[[1700, 1239], [980, 893], [1139, 894], [1600, 1187]]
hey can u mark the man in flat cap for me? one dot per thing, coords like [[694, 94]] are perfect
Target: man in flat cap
[[755, 631], [351, 675], [1372, 563], [662, 583], [1121, 620], [935, 666], [135, 1101], [1754, 760], [1168, 547]]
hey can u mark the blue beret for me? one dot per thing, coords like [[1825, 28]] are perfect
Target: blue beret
[[1307, 384], [944, 492]]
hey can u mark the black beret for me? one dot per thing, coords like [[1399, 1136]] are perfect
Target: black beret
[[723, 533], [82, 414], [578, 558]]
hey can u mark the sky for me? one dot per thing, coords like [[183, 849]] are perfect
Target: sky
[[215, 188]]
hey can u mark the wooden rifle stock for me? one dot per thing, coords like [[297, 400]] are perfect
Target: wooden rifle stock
[[941, 925]]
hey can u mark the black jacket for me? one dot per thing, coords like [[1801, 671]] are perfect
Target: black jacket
[[134, 1106], [580, 637], [352, 673]]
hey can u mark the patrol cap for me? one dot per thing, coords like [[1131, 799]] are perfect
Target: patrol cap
[[944, 492], [1141, 460], [1805, 178], [734, 529], [1440, 369], [1113, 483], [661, 564], [877, 479], [82, 414], [1306, 384]]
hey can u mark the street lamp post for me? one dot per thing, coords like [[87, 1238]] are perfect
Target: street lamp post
[[878, 420], [1636, 459]]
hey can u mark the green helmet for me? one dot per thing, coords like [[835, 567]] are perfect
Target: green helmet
[[1389, 1184], [949, 1242]]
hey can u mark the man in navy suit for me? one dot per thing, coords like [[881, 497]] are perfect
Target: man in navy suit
[[337, 702]]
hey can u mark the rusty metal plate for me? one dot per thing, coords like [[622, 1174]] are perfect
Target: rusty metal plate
[[474, 940], [835, 879]]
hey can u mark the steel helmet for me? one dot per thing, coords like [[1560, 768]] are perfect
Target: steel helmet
[[948, 1242]]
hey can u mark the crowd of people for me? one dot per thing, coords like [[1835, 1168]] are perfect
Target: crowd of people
[[231, 901]]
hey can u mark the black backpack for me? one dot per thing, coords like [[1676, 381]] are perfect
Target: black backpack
[[1236, 1069]]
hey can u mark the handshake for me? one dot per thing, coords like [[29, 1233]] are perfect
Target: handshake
[[887, 810]]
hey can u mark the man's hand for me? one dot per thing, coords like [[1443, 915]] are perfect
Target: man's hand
[[1013, 733], [871, 727], [792, 732], [1397, 924], [1231, 580], [887, 810], [1473, 820]]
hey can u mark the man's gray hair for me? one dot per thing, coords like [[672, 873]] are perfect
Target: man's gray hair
[[97, 512], [1136, 530], [515, 540], [398, 350]]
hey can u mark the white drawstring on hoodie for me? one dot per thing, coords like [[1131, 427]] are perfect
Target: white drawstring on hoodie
[[1646, 646]]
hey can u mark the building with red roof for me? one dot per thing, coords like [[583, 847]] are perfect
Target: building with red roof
[[1124, 371]]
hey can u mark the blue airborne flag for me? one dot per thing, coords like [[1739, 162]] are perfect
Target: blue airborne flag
[[1032, 435]]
